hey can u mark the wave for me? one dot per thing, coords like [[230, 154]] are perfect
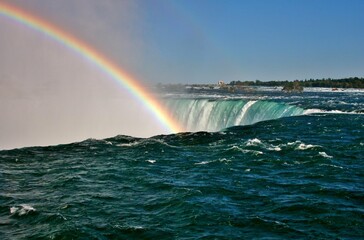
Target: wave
[[314, 111], [22, 209]]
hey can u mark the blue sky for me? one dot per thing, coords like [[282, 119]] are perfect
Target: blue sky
[[203, 41], [266, 40]]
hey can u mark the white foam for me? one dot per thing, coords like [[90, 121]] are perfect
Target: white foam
[[22, 209], [325, 155], [224, 160], [128, 144], [253, 142], [129, 227], [275, 148], [137, 227], [298, 145], [293, 143], [303, 146], [318, 89], [202, 163], [253, 152], [331, 165], [151, 161], [235, 148], [13, 210], [246, 150], [313, 111]]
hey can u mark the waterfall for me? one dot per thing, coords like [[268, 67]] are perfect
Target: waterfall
[[214, 115]]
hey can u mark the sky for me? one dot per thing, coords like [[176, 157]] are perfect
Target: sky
[[47, 93]]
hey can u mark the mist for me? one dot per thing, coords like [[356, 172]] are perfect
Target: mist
[[51, 95]]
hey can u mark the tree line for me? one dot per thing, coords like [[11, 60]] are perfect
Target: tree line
[[352, 82]]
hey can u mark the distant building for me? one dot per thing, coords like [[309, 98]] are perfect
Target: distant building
[[220, 83]]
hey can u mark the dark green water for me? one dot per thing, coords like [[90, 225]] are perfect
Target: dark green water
[[294, 177]]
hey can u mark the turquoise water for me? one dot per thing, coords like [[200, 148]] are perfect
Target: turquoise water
[[297, 175], [217, 114]]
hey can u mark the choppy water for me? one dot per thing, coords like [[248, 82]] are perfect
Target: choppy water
[[294, 177]]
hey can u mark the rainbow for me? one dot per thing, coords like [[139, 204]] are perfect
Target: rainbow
[[105, 65]]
